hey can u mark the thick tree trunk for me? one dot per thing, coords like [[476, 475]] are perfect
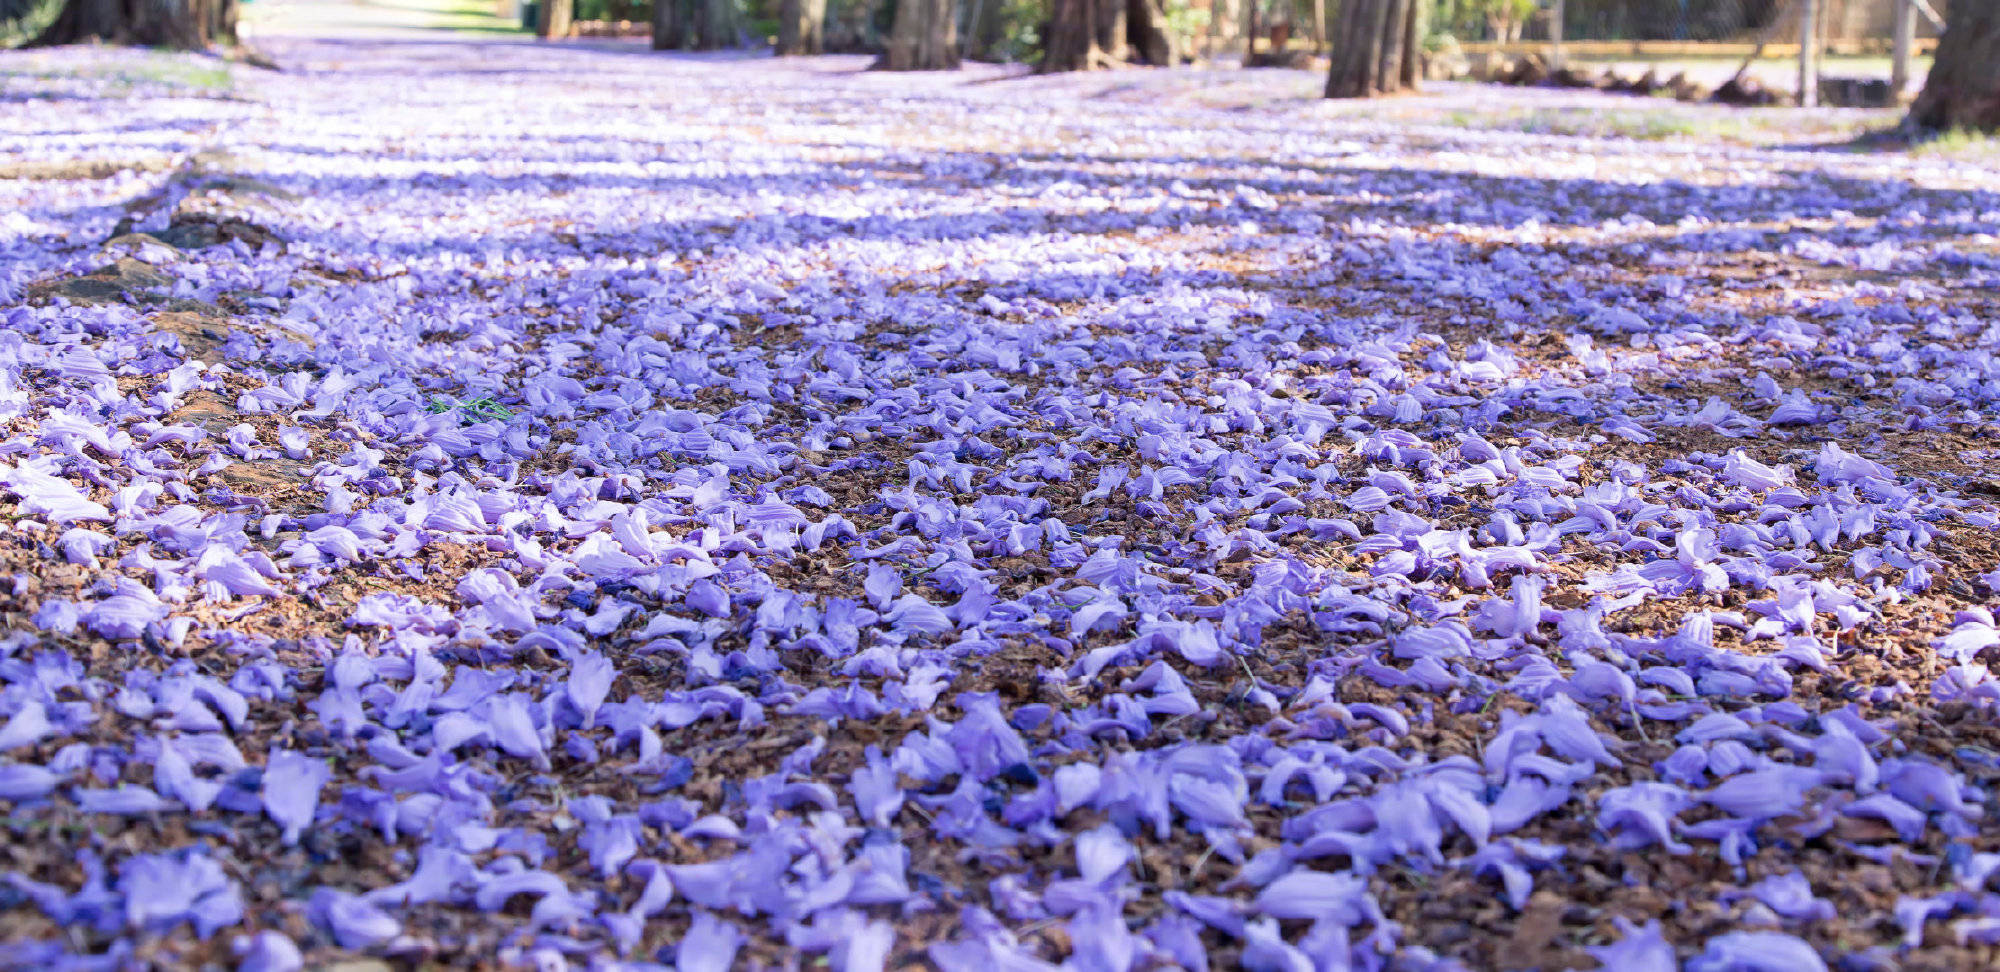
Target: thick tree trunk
[[189, 25], [665, 27], [1394, 28], [924, 37], [694, 25], [1112, 22], [222, 22], [1084, 35], [1963, 88], [722, 25], [1377, 49], [801, 27], [667, 32], [1146, 33], [1416, 21], [553, 18], [1071, 42]]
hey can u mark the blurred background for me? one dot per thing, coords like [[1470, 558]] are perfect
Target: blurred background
[[1871, 54], [1522, 40]]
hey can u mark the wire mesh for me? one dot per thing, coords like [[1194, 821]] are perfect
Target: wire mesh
[[1855, 40]]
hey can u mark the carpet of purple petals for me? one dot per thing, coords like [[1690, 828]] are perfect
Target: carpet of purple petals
[[574, 508]]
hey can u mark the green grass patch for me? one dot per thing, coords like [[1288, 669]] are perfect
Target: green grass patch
[[1662, 120], [176, 71], [480, 408], [474, 16], [1959, 144]]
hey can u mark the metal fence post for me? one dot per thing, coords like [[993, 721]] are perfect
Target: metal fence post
[[1906, 31], [1809, 53], [1556, 36]]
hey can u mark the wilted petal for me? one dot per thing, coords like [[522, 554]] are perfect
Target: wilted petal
[[1638, 950], [292, 782], [1315, 896], [354, 923], [710, 945], [1757, 952], [267, 951]]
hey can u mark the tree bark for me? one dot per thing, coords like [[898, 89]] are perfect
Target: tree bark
[[187, 25], [801, 27], [1084, 35], [222, 22], [722, 25], [1071, 41], [1416, 21], [924, 37], [1112, 23], [666, 26], [1146, 33], [694, 25], [1963, 88], [1389, 72], [553, 18], [1377, 49]]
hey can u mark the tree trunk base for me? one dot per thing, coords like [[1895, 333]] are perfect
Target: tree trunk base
[[180, 25], [1963, 89], [924, 37], [1079, 30], [1378, 51]]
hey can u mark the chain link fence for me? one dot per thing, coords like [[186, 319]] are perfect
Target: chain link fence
[[1844, 25], [1856, 54]]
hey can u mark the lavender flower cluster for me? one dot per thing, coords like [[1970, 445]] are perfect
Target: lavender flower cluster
[[575, 508]]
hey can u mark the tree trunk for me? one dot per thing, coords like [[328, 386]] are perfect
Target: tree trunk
[[722, 25], [1390, 70], [694, 25], [801, 27], [666, 26], [1963, 88], [1084, 35], [188, 25], [1377, 49], [924, 37], [1147, 33], [552, 19], [1112, 22], [1416, 21], [222, 22], [1071, 42]]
